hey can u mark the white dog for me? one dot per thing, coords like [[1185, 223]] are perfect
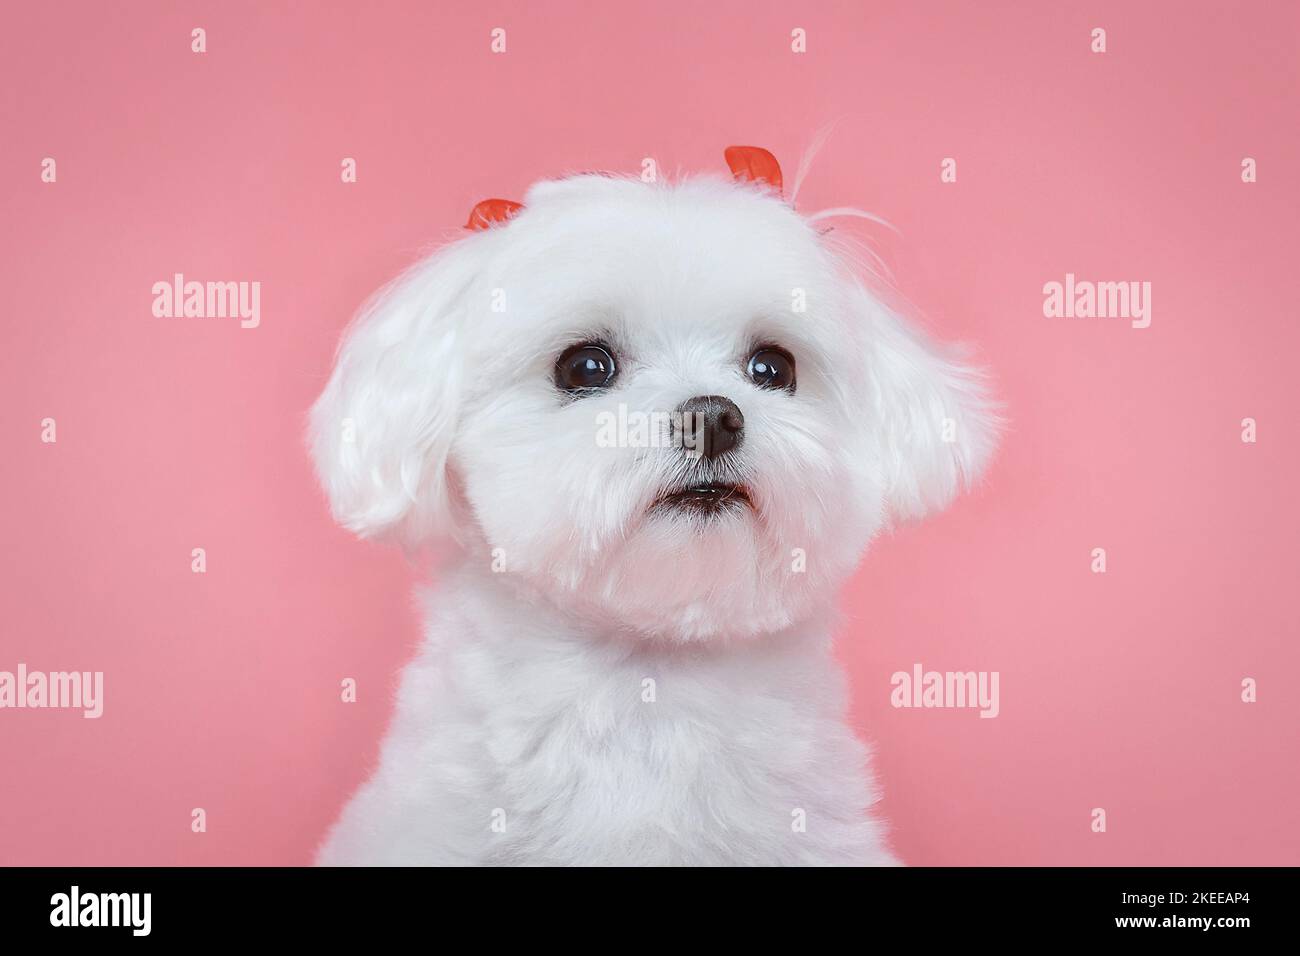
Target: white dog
[[660, 423]]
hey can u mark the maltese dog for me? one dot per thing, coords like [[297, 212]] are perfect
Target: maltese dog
[[659, 424]]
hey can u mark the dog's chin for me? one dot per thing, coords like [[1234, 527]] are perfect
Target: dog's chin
[[696, 567]]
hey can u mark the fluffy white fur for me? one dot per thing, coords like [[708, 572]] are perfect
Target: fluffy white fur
[[523, 733]]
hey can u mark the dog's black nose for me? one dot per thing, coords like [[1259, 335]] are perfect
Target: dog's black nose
[[711, 425]]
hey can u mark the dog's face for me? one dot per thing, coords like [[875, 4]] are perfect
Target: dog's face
[[662, 407]]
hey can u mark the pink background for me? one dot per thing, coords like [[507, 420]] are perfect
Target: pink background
[[1119, 690]]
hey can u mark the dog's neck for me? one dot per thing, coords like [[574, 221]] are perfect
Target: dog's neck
[[495, 602]]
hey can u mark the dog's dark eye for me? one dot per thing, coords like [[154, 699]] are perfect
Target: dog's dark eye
[[585, 367], [771, 367]]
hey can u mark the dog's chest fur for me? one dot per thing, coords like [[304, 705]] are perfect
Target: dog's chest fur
[[517, 740]]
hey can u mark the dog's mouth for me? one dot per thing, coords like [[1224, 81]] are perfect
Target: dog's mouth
[[705, 498]]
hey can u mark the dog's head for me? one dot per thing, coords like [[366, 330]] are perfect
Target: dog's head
[[664, 406]]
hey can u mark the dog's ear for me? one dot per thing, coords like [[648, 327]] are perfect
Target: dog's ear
[[935, 425], [381, 431]]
